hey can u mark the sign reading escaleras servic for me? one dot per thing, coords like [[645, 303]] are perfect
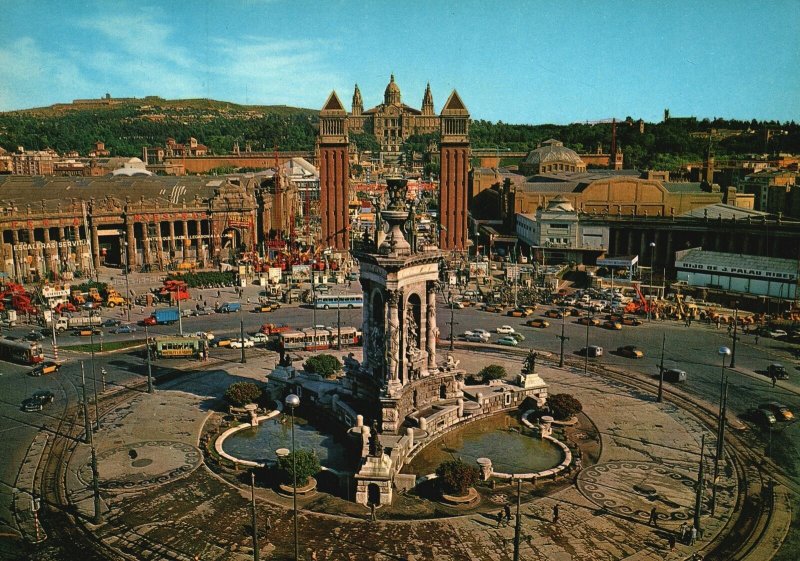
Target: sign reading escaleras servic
[[49, 245]]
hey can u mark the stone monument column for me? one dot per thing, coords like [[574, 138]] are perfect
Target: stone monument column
[[431, 328], [393, 334]]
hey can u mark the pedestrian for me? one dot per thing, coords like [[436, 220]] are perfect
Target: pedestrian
[[672, 542], [693, 534], [684, 530], [372, 516], [507, 510], [218, 293], [653, 517], [499, 518], [555, 514], [774, 379], [141, 309], [756, 338]]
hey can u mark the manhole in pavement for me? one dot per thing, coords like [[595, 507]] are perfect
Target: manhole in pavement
[[140, 463]]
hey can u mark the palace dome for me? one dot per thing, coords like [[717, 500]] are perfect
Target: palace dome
[[553, 151], [391, 96]]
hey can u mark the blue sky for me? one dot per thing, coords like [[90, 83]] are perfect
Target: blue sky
[[535, 61]]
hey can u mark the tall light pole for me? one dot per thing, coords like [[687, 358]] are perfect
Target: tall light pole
[[562, 336], [255, 515], [313, 302], [180, 316], [94, 379], [241, 329], [127, 303], [723, 398], [650, 287], [292, 401], [660, 397], [698, 498], [586, 353]]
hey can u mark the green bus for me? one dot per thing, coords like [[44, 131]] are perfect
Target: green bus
[[179, 347]]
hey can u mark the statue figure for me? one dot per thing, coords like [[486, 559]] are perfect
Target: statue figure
[[451, 363], [375, 446], [412, 336], [351, 365], [529, 366]]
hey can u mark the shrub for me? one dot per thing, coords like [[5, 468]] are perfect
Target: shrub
[[563, 406], [456, 476], [241, 393], [307, 466], [492, 372], [324, 365]]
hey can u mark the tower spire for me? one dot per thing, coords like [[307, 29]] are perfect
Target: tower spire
[[427, 101]]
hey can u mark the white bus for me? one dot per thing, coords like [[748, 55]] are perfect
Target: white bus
[[334, 301]]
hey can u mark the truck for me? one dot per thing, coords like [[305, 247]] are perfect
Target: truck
[[94, 296], [114, 298], [64, 323], [164, 316]]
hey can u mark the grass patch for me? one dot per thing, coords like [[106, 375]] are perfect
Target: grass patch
[[107, 346]]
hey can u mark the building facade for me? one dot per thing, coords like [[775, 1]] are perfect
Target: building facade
[[69, 226]]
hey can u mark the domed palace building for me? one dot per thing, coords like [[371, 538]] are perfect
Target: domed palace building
[[392, 122], [551, 157]]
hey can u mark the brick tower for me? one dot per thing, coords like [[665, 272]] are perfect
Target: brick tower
[[334, 174], [454, 168]]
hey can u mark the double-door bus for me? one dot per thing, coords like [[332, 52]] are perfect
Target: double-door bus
[[179, 347], [26, 352], [333, 301]]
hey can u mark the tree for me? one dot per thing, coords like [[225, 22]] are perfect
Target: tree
[[324, 365], [492, 372], [457, 476], [242, 393], [563, 406], [307, 465]]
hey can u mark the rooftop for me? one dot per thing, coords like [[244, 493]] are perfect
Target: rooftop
[[727, 212], [741, 261]]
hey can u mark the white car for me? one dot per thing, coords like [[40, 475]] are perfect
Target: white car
[[260, 338], [204, 335], [777, 333], [238, 344], [505, 329]]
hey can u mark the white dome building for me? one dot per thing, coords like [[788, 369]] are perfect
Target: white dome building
[[552, 157]]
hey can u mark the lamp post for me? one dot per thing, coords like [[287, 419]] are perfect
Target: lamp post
[[94, 380], [127, 303], [723, 398], [255, 515], [698, 498], [313, 303], [292, 401], [241, 329], [562, 336], [650, 287], [586, 350], [661, 369], [149, 365]]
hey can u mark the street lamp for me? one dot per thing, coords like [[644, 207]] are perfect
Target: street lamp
[[650, 288], [723, 398], [562, 336], [292, 402], [586, 350], [735, 333], [313, 303]]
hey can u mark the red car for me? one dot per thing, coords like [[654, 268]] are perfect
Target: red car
[[149, 320]]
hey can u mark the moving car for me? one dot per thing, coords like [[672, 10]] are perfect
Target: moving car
[[777, 333], [38, 400], [87, 332], [203, 311], [627, 320], [48, 367], [220, 342], [762, 417], [207, 335], [34, 336], [611, 324], [475, 338], [124, 329], [539, 323], [520, 312], [111, 323], [493, 309], [781, 412], [508, 341], [505, 329], [260, 338], [518, 336], [589, 321], [594, 351], [675, 375], [630, 351], [555, 314]]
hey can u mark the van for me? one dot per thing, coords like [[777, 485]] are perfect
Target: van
[[675, 375], [594, 351], [230, 307]]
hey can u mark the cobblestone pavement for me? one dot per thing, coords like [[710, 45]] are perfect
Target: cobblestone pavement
[[157, 498]]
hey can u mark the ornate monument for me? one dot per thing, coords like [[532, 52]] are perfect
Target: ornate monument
[[399, 279]]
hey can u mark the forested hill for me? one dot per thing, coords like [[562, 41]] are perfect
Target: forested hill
[[126, 125]]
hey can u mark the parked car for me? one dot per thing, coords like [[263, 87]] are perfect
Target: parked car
[[246, 343], [778, 370], [630, 351], [781, 412], [593, 351], [628, 320], [594, 322], [203, 311], [518, 336], [538, 323], [473, 338], [260, 338], [207, 335], [674, 375], [124, 329], [505, 329], [220, 342], [508, 341], [48, 367], [493, 309], [555, 314], [610, 324], [520, 312], [776, 333]]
